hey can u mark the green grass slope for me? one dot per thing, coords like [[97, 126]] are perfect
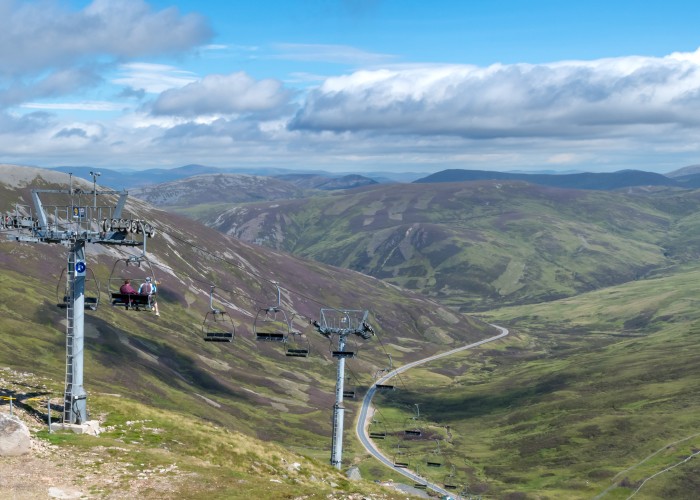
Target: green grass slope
[[480, 245], [591, 396]]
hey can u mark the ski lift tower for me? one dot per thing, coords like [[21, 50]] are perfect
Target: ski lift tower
[[341, 323], [73, 226]]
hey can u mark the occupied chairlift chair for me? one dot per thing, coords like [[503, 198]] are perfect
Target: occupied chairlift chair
[[117, 277], [218, 325], [92, 290]]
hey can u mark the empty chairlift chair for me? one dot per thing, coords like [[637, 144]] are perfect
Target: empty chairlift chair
[[91, 295], [377, 430], [412, 427], [218, 325], [271, 323], [449, 482], [435, 459], [298, 345], [401, 458]]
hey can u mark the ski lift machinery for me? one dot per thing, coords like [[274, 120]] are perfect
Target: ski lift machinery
[[218, 325]]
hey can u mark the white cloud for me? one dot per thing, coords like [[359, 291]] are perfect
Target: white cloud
[[582, 99], [35, 35], [222, 94], [75, 106], [340, 54], [153, 78]]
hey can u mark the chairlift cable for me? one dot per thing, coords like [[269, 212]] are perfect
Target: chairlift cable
[[250, 272]]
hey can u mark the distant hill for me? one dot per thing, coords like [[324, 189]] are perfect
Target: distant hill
[[685, 171], [128, 178], [327, 183], [604, 181], [477, 245], [215, 189]]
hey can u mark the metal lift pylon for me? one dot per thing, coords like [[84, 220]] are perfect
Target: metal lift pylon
[[72, 226], [341, 323]]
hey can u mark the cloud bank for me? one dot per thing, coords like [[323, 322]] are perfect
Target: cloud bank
[[104, 85], [568, 100]]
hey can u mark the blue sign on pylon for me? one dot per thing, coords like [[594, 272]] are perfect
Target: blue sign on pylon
[[80, 268]]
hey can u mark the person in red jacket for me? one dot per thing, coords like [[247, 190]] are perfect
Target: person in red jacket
[[126, 288]]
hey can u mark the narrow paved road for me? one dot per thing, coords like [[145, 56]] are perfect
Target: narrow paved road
[[363, 419]]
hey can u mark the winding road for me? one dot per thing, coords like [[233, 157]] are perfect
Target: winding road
[[363, 419]]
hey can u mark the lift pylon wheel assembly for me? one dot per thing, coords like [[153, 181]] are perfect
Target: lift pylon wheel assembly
[[218, 325]]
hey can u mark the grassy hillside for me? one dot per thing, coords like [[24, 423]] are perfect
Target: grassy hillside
[[147, 452], [164, 364], [217, 188], [480, 245], [589, 396]]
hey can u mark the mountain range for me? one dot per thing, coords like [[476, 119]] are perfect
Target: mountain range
[[593, 394]]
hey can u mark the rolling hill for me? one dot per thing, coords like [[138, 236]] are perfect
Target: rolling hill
[[591, 396], [479, 245], [164, 363], [604, 181], [217, 188]]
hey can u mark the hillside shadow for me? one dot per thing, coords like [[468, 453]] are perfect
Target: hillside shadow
[[135, 358], [439, 407]]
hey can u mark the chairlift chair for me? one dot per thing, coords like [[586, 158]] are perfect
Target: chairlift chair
[[91, 296], [400, 458], [348, 390], [436, 460], [271, 323], [411, 426], [377, 430], [129, 271], [218, 325], [298, 344], [448, 483]]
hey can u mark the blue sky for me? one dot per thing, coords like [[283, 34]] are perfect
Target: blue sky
[[351, 86]]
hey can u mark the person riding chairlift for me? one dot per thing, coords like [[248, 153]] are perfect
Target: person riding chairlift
[[127, 289], [148, 287]]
